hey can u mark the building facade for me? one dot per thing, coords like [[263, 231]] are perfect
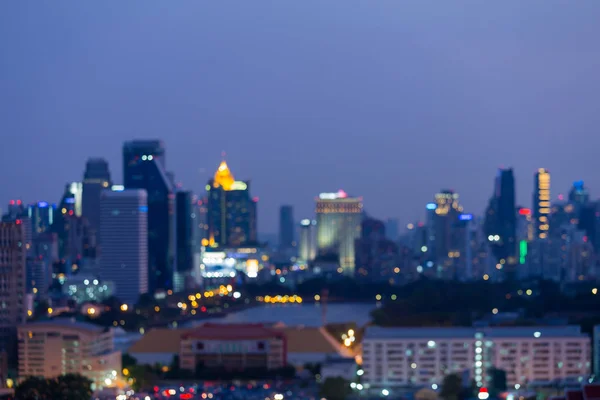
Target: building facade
[[124, 237], [286, 228], [423, 356], [308, 246], [184, 239], [49, 349], [338, 226], [96, 178], [541, 203], [144, 167], [233, 347], [231, 213], [12, 284]]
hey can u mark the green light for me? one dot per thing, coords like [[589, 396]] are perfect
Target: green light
[[207, 188], [522, 251]]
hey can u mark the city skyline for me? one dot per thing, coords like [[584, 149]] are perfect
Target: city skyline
[[416, 98]]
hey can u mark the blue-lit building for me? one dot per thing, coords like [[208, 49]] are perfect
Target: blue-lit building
[[231, 211], [42, 215], [144, 168], [96, 178]]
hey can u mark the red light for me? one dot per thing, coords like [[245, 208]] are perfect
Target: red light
[[185, 396], [19, 202], [483, 390], [18, 222], [420, 224], [255, 199], [203, 309], [561, 197], [585, 238], [525, 211], [156, 389], [12, 202], [70, 212]]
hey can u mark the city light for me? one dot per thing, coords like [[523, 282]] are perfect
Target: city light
[[124, 307]]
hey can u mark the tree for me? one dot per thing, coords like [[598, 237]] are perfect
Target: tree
[[335, 389], [67, 387], [451, 387], [128, 360]]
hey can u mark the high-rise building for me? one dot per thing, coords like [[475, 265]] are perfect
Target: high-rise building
[[579, 195], [13, 278], [42, 216], [124, 238], [286, 227], [446, 212], [231, 211], [541, 203], [69, 209], [338, 226], [144, 168], [184, 239], [308, 248], [376, 257], [96, 178], [501, 222], [391, 228]]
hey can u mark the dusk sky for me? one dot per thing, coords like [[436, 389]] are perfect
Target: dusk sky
[[389, 100]]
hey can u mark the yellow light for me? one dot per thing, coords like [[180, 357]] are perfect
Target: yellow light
[[298, 299], [124, 307], [529, 292], [594, 290], [29, 313], [156, 308], [205, 242], [351, 332], [495, 311], [229, 288], [223, 177], [169, 292], [194, 304], [378, 297], [193, 312], [125, 372], [165, 368], [91, 311], [198, 295], [347, 342], [35, 290], [317, 297], [396, 270], [9, 383], [64, 211], [486, 277], [50, 310]]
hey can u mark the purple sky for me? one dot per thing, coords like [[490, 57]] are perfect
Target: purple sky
[[387, 99]]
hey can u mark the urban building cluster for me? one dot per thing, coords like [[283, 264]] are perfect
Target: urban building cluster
[[146, 236]]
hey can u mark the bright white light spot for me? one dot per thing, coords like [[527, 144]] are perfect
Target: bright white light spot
[[434, 386], [353, 385], [423, 249], [360, 372], [483, 395], [385, 392], [431, 343], [537, 334], [237, 295]]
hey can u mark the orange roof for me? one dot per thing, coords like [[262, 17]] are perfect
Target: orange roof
[[232, 332], [307, 340], [159, 340]]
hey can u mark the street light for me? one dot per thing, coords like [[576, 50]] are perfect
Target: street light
[[385, 392]]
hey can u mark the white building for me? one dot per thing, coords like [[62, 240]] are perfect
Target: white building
[[124, 238], [52, 348], [423, 356], [338, 226]]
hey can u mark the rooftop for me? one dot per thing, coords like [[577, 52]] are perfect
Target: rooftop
[[231, 332], [65, 323], [464, 333]]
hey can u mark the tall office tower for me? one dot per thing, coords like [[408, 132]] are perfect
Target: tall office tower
[[13, 278], [201, 211], [338, 226], [124, 238], [391, 228], [578, 196], [501, 222], [96, 178], [286, 227], [184, 239], [42, 256], [541, 203], [307, 249], [42, 216], [231, 211], [446, 211], [144, 168], [69, 209], [376, 257]]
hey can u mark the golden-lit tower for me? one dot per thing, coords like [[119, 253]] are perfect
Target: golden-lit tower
[[541, 203], [223, 177]]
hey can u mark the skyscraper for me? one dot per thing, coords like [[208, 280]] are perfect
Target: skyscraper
[[286, 227], [307, 249], [391, 228], [124, 238], [541, 203], [338, 225], [184, 239], [42, 216], [231, 211], [579, 195], [501, 221], [96, 178], [144, 168], [446, 212], [13, 278], [376, 256]]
